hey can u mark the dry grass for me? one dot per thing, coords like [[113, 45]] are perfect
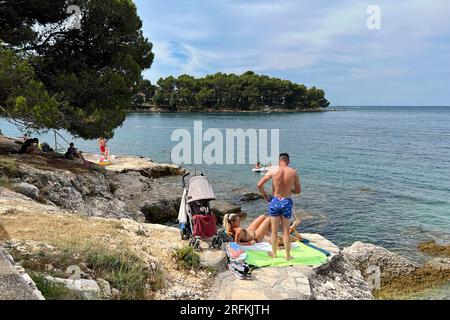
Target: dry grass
[[62, 231], [82, 240], [120, 252], [9, 167]]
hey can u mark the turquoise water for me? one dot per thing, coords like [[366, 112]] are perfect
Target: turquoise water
[[374, 174]]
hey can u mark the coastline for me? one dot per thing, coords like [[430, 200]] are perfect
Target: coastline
[[230, 111], [51, 194]]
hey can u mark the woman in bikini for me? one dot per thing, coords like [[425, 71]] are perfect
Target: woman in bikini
[[256, 231]]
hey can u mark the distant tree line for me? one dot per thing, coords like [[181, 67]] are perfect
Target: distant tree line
[[248, 91]]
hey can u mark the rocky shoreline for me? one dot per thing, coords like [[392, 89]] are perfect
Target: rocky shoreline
[[55, 214], [225, 111]]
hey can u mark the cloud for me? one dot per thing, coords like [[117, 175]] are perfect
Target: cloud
[[314, 42]]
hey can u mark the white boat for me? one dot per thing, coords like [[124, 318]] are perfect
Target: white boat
[[265, 169]]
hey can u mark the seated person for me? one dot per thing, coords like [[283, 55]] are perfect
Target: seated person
[[29, 147], [46, 148], [73, 153], [295, 235], [257, 231], [258, 165]]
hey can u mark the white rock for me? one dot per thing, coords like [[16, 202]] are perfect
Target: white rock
[[88, 289], [27, 189], [105, 287]]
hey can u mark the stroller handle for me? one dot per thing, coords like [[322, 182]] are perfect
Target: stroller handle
[[184, 179]]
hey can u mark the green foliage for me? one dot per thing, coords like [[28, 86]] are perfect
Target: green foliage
[[125, 272], [51, 290], [81, 80], [9, 168], [187, 258], [248, 91], [5, 182], [22, 96]]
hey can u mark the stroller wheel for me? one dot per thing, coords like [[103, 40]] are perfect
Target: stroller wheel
[[219, 243], [196, 244], [214, 243]]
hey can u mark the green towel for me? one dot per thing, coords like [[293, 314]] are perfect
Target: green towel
[[303, 256]]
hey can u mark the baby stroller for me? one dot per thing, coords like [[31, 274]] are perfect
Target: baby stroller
[[195, 216]]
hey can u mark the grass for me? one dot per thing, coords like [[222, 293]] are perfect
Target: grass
[[38, 263], [5, 182], [187, 258], [126, 272], [141, 233], [101, 248], [51, 290], [9, 168]]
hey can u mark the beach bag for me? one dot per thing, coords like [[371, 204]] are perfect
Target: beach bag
[[205, 226], [224, 235], [235, 253]]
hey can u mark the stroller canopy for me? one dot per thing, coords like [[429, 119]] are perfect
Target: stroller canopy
[[200, 189]]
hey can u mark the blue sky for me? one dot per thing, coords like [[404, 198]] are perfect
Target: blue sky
[[320, 43]]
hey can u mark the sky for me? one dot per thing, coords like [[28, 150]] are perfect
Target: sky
[[319, 43]]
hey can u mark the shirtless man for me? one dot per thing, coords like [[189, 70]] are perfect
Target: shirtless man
[[286, 182]]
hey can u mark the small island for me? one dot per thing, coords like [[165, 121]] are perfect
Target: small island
[[223, 92]]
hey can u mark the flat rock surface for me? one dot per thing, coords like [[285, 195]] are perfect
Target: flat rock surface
[[12, 285], [133, 163], [288, 283], [277, 283]]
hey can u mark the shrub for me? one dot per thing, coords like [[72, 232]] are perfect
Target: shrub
[[126, 272], [187, 258], [51, 290], [5, 182]]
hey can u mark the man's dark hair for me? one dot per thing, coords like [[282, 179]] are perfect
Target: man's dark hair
[[284, 157]]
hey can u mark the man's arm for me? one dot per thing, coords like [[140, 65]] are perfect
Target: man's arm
[[261, 184], [297, 185]]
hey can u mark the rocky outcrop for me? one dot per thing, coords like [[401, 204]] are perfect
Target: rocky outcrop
[[15, 283], [434, 249], [339, 280], [251, 196], [392, 275], [221, 208], [391, 265], [27, 189], [124, 192], [146, 167]]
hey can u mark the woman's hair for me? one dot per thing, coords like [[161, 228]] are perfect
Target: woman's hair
[[228, 219]]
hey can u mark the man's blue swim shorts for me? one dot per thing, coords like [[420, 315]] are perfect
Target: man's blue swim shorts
[[281, 207]]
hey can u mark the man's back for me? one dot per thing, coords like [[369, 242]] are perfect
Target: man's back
[[284, 179]]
